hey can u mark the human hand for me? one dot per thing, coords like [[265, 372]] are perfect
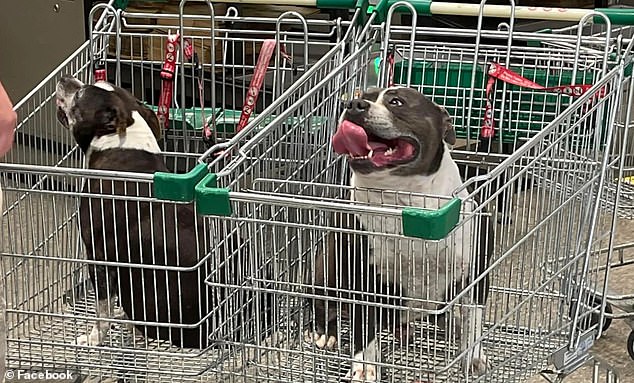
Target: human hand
[[8, 120]]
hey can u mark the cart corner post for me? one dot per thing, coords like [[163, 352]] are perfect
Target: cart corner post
[[431, 224], [178, 187], [210, 199]]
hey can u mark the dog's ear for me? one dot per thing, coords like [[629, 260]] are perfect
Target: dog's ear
[[114, 119], [446, 126], [449, 131], [84, 132]]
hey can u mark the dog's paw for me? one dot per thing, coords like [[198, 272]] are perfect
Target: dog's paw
[[92, 339], [82, 340], [479, 365], [118, 313], [320, 340], [361, 372]]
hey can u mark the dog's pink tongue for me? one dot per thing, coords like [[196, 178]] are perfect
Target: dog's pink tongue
[[351, 139]]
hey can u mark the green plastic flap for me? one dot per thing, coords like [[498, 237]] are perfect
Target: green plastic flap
[[120, 4], [617, 16], [431, 224], [423, 7], [178, 187], [338, 4], [210, 199], [449, 84]]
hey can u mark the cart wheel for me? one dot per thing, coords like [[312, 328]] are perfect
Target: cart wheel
[[608, 310], [608, 321], [596, 301], [630, 344]]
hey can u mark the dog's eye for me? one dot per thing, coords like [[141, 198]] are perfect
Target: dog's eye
[[396, 101]]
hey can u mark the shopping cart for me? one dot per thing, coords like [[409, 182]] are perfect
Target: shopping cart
[[50, 302], [536, 166], [617, 299], [612, 295]]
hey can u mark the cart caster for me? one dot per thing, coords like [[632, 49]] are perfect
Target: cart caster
[[630, 344], [597, 300], [595, 317], [607, 321]]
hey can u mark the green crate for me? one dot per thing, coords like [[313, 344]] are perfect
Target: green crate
[[226, 119], [448, 84]]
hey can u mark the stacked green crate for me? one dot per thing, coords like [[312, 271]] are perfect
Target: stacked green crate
[[449, 85]]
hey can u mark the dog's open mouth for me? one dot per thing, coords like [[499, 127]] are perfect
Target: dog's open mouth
[[359, 145]]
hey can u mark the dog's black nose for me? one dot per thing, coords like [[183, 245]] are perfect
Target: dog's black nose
[[357, 106]]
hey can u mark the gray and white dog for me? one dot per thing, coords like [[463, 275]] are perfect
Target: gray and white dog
[[397, 141]]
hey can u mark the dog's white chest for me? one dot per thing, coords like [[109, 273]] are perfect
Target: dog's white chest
[[138, 136], [423, 269]]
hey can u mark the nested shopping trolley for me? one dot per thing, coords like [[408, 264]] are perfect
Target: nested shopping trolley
[[205, 62], [613, 292], [534, 115]]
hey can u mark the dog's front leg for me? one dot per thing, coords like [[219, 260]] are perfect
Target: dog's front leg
[[104, 283], [99, 330], [323, 332], [473, 320], [364, 366]]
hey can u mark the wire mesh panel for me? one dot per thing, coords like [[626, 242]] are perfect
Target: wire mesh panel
[[220, 77], [465, 78], [622, 169], [290, 192]]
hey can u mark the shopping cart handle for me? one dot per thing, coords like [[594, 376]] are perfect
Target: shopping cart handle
[[431, 224], [323, 4], [178, 187], [617, 16]]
